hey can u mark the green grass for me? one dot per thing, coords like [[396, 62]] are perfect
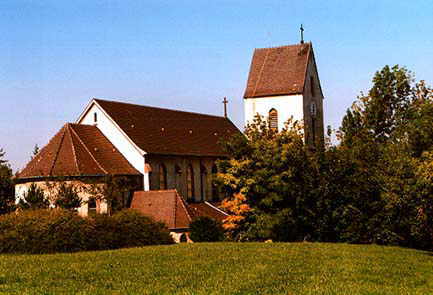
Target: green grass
[[223, 268]]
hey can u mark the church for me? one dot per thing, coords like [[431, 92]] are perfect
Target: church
[[171, 154]]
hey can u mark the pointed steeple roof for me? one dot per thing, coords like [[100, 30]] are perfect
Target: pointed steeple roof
[[278, 70], [78, 150]]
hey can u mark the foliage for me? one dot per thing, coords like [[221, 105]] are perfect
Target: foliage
[[205, 229], [223, 268], [115, 190], [67, 196], [129, 228], [270, 170], [375, 186], [7, 194], [58, 230], [44, 231], [34, 198], [35, 151]]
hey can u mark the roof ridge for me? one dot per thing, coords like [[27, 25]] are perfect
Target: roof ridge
[[182, 201], [285, 46], [91, 155], [74, 151], [159, 108], [175, 209], [50, 172], [306, 68], [261, 71]]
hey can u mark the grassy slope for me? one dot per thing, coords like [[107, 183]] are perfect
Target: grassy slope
[[223, 268]]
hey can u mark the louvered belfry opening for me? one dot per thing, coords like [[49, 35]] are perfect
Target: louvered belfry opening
[[273, 119]]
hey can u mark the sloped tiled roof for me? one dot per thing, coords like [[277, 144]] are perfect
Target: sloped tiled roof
[[78, 150], [278, 70], [208, 210], [165, 206], [163, 131]]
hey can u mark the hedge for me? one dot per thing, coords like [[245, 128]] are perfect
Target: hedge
[[57, 230]]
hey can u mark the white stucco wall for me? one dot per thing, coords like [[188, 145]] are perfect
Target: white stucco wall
[[50, 190], [286, 106], [117, 138]]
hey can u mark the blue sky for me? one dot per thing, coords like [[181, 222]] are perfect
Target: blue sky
[[56, 55]]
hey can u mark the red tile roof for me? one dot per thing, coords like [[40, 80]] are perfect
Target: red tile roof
[[78, 150], [163, 131], [165, 206], [278, 70], [208, 210]]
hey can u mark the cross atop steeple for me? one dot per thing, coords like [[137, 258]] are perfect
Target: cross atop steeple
[[302, 34], [225, 102]]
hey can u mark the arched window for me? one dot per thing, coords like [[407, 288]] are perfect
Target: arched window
[[214, 187], [203, 180], [190, 182], [162, 177], [273, 119]]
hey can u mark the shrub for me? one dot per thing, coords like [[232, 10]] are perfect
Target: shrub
[[59, 230], [67, 197], [205, 229], [129, 228], [44, 231], [34, 198]]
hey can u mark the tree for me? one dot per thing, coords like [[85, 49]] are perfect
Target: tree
[[7, 195], [205, 229], [115, 190], [35, 151], [271, 171], [67, 196], [34, 198], [384, 136]]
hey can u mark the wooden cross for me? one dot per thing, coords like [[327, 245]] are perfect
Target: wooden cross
[[302, 34], [225, 102]]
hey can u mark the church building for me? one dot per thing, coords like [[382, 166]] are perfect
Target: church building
[[169, 154]]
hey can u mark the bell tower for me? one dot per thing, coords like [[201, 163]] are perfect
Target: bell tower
[[283, 82]]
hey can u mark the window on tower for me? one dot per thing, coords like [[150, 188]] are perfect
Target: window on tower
[[273, 119]]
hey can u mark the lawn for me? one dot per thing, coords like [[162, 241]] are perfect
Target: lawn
[[223, 268]]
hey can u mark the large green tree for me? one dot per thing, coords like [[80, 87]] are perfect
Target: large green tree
[[271, 170]]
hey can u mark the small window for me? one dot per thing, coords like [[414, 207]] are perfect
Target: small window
[[312, 86], [313, 109], [91, 207], [162, 177], [190, 182], [95, 117], [273, 119]]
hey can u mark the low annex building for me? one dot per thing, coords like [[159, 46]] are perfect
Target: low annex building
[[169, 207]]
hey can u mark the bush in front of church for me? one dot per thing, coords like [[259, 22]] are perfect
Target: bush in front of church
[[129, 228], [44, 231], [205, 229], [59, 230]]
